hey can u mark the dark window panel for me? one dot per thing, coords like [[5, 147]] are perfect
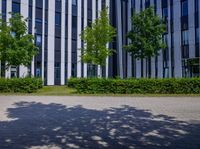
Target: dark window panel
[[185, 37], [147, 3], [74, 27], [57, 73], [74, 2], [38, 27], [58, 31], [39, 14], [184, 8], [103, 3], [74, 10], [58, 6], [184, 22], [58, 19], [197, 50], [30, 2], [39, 3], [58, 44], [185, 51], [15, 7]]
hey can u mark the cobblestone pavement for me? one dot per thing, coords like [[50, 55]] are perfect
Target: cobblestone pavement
[[99, 122]]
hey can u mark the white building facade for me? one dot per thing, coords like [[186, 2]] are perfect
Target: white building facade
[[57, 25], [179, 59]]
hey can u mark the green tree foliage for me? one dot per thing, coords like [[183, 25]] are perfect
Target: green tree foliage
[[16, 45], [146, 34], [96, 37]]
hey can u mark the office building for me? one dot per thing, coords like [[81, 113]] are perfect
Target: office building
[[57, 24]]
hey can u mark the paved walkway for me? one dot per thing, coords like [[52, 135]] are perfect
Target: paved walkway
[[99, 122]]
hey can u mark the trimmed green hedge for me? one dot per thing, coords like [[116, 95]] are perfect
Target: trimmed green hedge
[[136, 86], [20, 85]]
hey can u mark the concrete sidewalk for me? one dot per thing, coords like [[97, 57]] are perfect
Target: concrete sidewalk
[[99, 122]]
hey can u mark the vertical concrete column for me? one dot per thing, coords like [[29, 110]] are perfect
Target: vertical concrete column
[[107, 59], [23, 71], [63, 27], [85, 25], [169, 38], [119, 38], [191, 34], [129, 57], [177, 39], [160, 57], [69, 41], [79, 40], [138, 61], [51, 43], [8, 9], [99, 67], [33, 33]]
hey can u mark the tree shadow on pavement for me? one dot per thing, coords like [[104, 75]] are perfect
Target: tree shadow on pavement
[[38, 125]]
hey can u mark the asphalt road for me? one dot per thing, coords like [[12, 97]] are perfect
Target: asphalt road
[[30, 122]]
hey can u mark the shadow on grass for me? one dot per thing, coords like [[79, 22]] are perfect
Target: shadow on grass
[[54, 125]]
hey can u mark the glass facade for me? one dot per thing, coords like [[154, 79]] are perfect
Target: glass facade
[[172, 62]]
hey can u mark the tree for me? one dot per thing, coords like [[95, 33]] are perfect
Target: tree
[[96, 37], [146, 34], [16, 45]]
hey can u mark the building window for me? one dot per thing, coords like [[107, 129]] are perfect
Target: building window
[[58, 19], [147, 3], [155, 6], [185, 40], [165, 13], [39, 3], [74, 2], [38, 72], [196, 5], [184, 7], [164, 3], [74, 27], [103, 3], [197, 35], [185, 51], [38, 40], [165, 39], [15, 7], [171, 2], [4, 9], [172, 18], [57, 70]]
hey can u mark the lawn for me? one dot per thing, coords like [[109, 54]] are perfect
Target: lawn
[[47, 91], [55, 91]]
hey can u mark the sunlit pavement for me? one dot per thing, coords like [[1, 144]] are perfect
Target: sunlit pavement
[[99, 122]]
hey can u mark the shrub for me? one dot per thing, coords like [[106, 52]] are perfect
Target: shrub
[[136, 86], [20, 85]]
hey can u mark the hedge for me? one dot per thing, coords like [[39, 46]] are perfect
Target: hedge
[[136, 86], [20, 85]]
